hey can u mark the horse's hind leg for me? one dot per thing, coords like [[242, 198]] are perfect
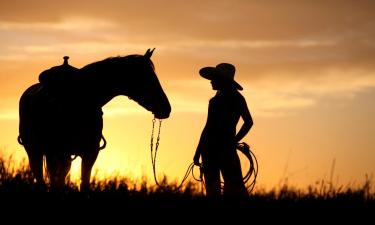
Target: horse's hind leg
[[58, 166], [36, 163], [88, 161]]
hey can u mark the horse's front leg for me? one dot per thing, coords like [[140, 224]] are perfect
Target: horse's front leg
[[88, 161]]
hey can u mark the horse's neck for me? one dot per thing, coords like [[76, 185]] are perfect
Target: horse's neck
[[99, 89], [105, 97]]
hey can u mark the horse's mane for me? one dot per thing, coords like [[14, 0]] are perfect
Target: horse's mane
[[110, 61]]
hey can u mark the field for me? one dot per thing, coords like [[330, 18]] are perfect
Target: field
[[119, 198]]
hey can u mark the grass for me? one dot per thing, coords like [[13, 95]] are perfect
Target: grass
[[321, 200]]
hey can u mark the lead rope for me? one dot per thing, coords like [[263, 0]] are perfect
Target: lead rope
[[154, 154], [189, 170]]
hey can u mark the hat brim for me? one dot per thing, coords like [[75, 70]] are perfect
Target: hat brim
[[211, 73]]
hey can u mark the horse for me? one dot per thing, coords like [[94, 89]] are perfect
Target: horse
[[62, 117]]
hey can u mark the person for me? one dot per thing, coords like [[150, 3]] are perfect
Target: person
[[218, 141]]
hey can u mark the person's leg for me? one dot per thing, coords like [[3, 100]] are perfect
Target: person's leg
[[211, 174], [232, 175]]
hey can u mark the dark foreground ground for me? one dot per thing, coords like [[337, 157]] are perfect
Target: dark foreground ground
[[167, 207]]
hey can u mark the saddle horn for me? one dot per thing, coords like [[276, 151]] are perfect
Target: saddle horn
[[149, 53]]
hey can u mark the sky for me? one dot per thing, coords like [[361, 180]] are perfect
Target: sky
[[307, 68]]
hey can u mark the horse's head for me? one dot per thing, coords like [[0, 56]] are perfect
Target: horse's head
[[147, 90]]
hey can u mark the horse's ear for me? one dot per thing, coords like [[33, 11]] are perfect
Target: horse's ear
[[149, 53]]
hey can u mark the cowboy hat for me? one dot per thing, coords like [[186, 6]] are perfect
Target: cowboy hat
[[224, 71]]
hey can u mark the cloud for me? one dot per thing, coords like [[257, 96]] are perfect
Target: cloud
[[280, 97], [277, 95], [78, 24], [245, 45], [289, 54], [245, 19], [248, 28]]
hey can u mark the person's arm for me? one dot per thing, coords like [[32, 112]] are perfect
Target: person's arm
[[248, 121], [198, 151]]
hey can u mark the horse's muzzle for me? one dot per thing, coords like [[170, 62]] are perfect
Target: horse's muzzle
[[162, 111]]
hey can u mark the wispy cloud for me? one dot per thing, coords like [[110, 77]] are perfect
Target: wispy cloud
[[276, 95], [250, 44], [271, 97], [77, 24]]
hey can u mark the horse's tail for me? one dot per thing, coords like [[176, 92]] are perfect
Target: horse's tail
[[19, 139], [27, 112]]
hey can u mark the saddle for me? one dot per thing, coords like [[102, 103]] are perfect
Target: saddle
[[59, 75], [60, 106]]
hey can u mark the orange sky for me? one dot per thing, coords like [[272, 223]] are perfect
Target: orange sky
[[307, 68]]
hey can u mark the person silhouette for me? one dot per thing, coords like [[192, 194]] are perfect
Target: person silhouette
[[218, 141]]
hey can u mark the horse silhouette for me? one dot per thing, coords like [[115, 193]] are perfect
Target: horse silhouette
[[61, 116]]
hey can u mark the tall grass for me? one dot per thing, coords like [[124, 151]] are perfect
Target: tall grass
[[116, 198], [18, 179]]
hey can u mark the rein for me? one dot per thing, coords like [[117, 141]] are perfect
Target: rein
[[154, 151]]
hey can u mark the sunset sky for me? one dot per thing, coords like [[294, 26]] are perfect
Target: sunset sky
[[307, 68]]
